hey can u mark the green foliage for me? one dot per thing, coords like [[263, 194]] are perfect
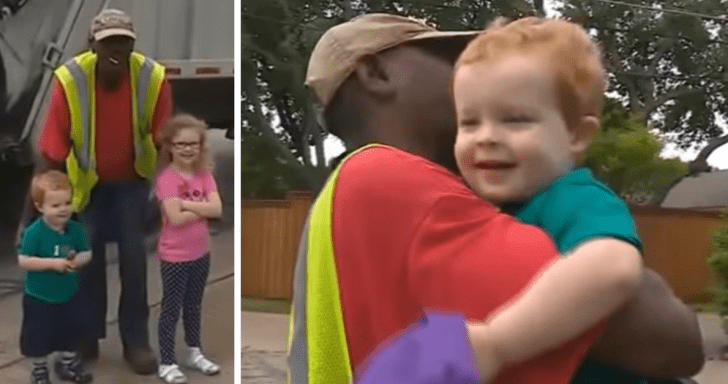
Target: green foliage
[[625, 155], [265, 174], [670, 69], [718, 262]]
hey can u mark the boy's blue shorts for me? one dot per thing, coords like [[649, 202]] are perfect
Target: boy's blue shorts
[[51, 327]]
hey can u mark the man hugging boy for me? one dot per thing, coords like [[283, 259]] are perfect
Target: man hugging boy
[[528, 96]]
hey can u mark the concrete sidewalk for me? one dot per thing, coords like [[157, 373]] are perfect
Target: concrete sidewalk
[[715, 370], [217, 323], [264, 345]]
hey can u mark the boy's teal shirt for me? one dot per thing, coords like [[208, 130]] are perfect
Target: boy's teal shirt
[[39, 240], [576, 208]]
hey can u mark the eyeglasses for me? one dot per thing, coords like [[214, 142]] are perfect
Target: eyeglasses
[[185, 144]]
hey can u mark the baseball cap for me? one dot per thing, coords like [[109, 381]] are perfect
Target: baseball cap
[[112, 22], [340, 48]]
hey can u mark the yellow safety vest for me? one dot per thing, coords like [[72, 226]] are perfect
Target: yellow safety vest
[[318, 352], [77, 77]]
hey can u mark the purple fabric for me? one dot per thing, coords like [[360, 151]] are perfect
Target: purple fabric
[[435, 350]]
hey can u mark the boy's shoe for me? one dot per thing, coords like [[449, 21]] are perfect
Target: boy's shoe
[[73, 372], [199, 362], [40, 376]]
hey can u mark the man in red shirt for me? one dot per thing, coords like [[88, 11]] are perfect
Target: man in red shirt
[[408, 235], [122, 155]]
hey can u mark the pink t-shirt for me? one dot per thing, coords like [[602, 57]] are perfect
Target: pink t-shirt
[[191, 240]]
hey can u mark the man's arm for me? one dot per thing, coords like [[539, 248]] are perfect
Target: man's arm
[[654, 334], [54, 145]]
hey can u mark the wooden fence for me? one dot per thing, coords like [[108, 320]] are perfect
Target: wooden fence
[[677, 245], [271, 230]]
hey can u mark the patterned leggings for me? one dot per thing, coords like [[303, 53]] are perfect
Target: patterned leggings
[[182, 285]]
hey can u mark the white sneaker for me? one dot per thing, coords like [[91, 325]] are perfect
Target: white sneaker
[[171, 374], [198, 361]]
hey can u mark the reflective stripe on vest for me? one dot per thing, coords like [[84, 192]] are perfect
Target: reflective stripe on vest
[[318, 352], [77, 77]]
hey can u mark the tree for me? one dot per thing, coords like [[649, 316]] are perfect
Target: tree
[[265, 173], [626, 155], [668, 68]]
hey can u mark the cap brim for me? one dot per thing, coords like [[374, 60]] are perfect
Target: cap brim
[[445, 35], [114, 32]]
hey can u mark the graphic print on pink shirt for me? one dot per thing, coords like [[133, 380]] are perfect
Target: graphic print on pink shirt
[[184, 193], [189, 241]]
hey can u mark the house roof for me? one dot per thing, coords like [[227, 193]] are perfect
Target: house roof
[[704, 191]]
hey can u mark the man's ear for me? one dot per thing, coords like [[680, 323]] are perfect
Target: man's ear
[[582, 133], [372, 77]]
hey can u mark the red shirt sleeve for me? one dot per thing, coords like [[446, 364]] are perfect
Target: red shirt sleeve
[[162, 111], [55, 139]]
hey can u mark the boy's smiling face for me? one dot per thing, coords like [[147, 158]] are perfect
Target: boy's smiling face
[[512, 138], [56, 207]]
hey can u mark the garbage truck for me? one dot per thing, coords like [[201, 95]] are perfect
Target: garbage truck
[[194, 39]]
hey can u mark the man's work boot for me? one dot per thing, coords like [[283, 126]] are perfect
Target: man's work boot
[[88, 351], [141, 360]]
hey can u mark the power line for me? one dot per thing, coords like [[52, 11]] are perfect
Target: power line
[[673, 76], [655, 9], [626, 30]]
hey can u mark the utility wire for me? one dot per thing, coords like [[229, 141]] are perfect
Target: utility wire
[[681, 38], [672, 76], [655, 9]]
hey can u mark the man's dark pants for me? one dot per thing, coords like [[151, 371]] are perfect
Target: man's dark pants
[[117, 211]]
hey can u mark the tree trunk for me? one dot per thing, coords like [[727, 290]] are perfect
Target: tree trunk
[[538, 6], [700, 164], [270, 135], [348, 10]]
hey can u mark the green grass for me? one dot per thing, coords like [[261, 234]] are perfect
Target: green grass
[[704, 307], [265, 305]]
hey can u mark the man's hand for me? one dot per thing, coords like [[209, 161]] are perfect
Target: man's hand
[[654, 335]]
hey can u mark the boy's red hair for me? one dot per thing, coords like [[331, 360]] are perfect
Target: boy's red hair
[[50, 180], [572, 55]]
